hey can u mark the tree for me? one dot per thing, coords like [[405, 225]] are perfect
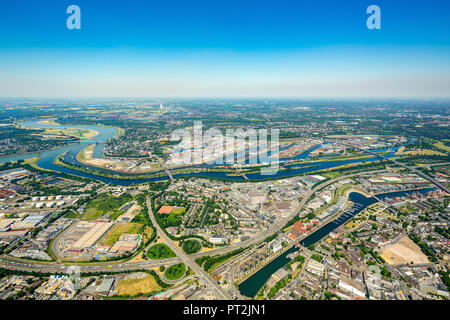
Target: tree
[[385, 272]]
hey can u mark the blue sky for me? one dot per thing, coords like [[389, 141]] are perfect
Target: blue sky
[[225, 48]]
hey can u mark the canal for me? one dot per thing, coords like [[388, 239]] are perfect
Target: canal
[[254, 283]]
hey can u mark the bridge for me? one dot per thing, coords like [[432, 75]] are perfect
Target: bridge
[[119, 266], [187, 260], [420, 173], [166, 170]]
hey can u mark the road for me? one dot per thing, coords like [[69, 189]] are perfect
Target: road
[[28, 265], [165, 169], [413, 169], [187, 259], [42, 266], [279, 225]]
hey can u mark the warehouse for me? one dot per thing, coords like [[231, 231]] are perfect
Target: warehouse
[[5, 224], [126, 243], [105, 287], [95, 231]]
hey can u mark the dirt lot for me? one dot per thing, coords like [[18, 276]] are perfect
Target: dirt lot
[[404, 251], [136, 286]]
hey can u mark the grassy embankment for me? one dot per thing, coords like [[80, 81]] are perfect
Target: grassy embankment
[[160, 251], [175, 271], [421, 152]]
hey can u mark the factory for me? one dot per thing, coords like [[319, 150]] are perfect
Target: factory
[[14, 174]]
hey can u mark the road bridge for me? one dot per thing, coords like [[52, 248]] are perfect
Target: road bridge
[[117, 266], [413, 169], [169, 174], [222, 294]]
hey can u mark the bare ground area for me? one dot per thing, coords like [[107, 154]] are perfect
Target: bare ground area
[[404, 251], [137, 286]]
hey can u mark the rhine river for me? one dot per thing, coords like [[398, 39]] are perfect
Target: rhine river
[[252, 285], [46, 159]]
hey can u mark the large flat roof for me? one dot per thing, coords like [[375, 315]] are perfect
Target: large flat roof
[[92, 235]]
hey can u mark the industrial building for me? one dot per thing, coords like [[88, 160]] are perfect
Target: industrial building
[[105, 287], [126, 243], [95, 231]]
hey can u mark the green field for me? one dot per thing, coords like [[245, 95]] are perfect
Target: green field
[[160, 251], [443, 146], [332, 175], [175, 272], [177, 210], [173, 218], [105, 204], [191, 246], [117, 230]]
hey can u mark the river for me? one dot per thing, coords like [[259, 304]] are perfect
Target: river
[[46, 159], [254, 283]]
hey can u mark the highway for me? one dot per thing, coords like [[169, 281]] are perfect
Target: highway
[[42, 266], [222, 294], [27, 265], [117, 266]]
